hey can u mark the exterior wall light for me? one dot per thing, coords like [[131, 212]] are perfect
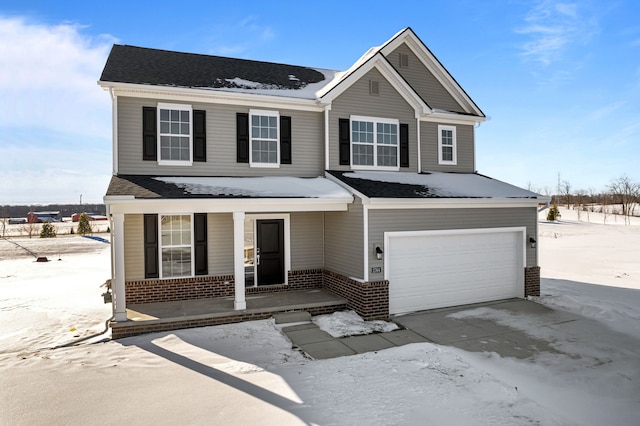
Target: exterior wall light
[[532, 241], [379, 253]]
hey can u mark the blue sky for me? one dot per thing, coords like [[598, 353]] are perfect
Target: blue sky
[[560, 80]]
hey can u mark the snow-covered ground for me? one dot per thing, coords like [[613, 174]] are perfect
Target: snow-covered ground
[[248, 374]]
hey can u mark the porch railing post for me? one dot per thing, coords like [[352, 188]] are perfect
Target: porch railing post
[[239, 302]]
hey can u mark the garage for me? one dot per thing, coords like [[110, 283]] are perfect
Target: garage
[[436, 269]]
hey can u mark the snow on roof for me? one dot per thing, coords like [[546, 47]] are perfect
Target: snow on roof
[[266, 187], [306, 91], [448, 185]]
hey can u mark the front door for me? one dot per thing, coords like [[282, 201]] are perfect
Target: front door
[[270, 251]]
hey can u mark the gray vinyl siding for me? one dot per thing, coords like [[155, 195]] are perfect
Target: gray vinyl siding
[[356, 100], [381, 221], [343, 240], [220, 243], [465, 148], [307, 150], [423, 81], [133, 247], [306, 240]]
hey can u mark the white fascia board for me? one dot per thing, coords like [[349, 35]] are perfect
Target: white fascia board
[[452, 118], [184, 94], [449, 203], [433, 65], [218, 205]]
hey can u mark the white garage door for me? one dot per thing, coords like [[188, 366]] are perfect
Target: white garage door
[[435, 269]]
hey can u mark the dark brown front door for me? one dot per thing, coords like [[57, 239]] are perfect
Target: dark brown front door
[[270, 251]]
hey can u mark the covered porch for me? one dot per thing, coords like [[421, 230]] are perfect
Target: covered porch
[[163, 316]]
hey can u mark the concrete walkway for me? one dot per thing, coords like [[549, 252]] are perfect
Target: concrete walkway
[[319, 344], [459, 327]]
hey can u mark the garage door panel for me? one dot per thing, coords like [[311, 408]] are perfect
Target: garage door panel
[[431, 271]]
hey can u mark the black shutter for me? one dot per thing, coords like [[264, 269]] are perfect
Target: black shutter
[[404, 145], [199, 135], [149, 134], [285, 140], [344, 139], [242, 135], [151, 269], [200, 240]]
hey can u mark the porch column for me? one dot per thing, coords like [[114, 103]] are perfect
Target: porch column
[[239, 302], [117, 283]]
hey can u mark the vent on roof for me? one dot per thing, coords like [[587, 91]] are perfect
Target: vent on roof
[[404, 60], [374, 87]]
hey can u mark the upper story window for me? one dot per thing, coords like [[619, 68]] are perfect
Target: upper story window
[[175, 134], [374, 143], [264, 136], [447, 145]]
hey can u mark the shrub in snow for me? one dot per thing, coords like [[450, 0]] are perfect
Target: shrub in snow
[[84, 227], [48, 230], [553, 213]]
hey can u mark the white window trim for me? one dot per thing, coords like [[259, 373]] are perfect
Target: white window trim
[[454, 160], [276, 114], [160, 246], [375, 143], [181, 107], [287, 240]]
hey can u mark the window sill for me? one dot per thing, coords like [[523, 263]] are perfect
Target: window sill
[[447, 163], [265, 165], [376, 168], [174, 163]]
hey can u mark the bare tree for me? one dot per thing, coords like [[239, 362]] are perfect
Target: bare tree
[[565, 189], [579, 199], [625, 192]]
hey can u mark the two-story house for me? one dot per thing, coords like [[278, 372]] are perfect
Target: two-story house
[[232, 176]]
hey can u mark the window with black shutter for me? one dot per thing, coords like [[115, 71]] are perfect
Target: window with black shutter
[[149, 134], [242, 137], [200, 243], [151, 266], [344, 140], [285, 140], [404, 145], [199, 135]]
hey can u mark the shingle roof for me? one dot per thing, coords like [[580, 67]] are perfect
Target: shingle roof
[[149, 187], [429, 185], [138, 65]]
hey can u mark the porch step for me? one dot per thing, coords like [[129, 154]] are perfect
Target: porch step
[[294, 316]]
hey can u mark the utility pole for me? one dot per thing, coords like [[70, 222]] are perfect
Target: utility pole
[[80, 199]]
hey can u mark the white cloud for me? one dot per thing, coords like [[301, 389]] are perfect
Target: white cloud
[[48, 77], [55, 121], [552, 27]]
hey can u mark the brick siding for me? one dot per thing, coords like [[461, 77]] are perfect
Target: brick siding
[[532, 281], [369, 299], [175, 289]]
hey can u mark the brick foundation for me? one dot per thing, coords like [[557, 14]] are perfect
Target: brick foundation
[[532, 281], [175, 289], [369, 299], [171, 290]]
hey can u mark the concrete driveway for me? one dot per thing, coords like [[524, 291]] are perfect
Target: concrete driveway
[[509, 328], [515, 328]]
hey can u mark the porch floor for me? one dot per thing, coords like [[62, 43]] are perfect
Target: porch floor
[[163, 316]]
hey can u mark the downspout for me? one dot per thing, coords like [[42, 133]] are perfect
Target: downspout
[[419, 150], [114, 129], [326, 136], [365, 239]]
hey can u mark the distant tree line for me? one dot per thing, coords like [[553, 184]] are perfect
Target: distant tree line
[[65, 210], [622, 192]]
